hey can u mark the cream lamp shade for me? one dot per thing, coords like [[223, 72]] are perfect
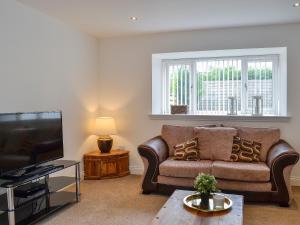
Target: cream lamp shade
[[105, 126]]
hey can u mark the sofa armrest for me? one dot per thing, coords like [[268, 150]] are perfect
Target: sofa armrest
[[281, 159], [153, 152]]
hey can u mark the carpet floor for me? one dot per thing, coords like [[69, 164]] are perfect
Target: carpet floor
[[119, 202]]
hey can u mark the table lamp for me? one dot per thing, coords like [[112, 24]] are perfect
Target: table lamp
[[104, 127]]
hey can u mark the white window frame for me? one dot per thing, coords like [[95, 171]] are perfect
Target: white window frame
[[159, 75]]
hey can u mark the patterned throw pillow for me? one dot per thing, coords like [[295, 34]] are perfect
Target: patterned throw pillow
[[187, 151], [245, 151]]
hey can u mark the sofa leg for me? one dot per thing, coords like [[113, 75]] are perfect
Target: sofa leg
[[146, 192]]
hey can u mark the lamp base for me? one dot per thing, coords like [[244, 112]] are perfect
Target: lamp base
[[105, 144]]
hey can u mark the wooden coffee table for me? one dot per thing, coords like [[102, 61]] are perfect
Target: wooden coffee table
[[175, 213]]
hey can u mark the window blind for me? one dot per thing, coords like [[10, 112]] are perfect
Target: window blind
[[206, 85]]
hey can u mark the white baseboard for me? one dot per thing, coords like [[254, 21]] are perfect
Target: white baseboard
[[81, 175], [137, 170], [295, 181]]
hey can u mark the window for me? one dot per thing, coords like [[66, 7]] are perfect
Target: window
[[206, 83]]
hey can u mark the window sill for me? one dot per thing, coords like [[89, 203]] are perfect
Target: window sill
[[241, 118]]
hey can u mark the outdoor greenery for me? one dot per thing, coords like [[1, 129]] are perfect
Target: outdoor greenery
[[260, 74], [229, 73], [182, 78], [205, 184]]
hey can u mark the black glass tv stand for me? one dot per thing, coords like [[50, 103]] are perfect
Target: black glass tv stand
[[29, 172], [32, 197]]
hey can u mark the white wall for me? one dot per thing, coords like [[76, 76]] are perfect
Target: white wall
[[46, 65], [125, 77]]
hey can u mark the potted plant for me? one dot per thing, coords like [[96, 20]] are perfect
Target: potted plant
[[205, 184]]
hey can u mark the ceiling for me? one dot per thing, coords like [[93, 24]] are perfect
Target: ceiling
[[107, 18]]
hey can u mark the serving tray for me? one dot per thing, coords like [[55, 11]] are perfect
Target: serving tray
[[193, 202]]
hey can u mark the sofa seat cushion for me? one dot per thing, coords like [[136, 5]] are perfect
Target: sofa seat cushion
[[243, 185], [227, 185], [176, 168], [241, 171]]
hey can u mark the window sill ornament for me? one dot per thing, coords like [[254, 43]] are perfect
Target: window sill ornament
[[232, 106], [257, 105], [179, 109]]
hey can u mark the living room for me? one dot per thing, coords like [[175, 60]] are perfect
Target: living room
[[94, 59]]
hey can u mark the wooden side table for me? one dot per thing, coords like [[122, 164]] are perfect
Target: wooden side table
[[99, 165]]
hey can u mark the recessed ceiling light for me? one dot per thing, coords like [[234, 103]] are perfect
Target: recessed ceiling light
[[296, 4], [133, 18]]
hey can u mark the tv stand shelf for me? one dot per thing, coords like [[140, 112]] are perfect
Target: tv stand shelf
[[31, 208]]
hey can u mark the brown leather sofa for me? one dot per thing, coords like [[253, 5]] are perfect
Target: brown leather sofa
[[267, 181]]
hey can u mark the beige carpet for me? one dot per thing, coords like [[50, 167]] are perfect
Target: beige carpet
[[119, 202]]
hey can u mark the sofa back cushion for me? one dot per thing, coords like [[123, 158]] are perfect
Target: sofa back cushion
[[266, 136], [174, 135], [215, 143]]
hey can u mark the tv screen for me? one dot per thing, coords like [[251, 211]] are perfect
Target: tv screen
[[28, 139]]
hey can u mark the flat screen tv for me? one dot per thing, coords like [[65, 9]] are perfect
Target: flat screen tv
[[29, 139]]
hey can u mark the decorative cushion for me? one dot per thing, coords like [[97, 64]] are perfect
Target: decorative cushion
[[266, 136], [241, 171], [245, 151], [176, 168], [187, 150], [215, 143], [173, 135]]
